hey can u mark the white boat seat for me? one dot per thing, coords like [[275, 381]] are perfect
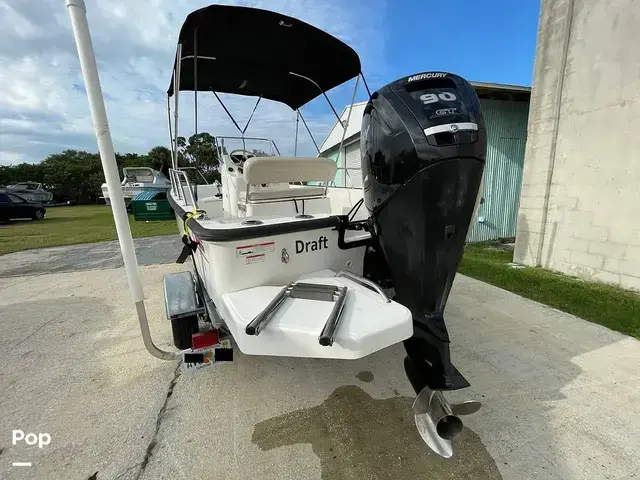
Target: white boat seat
[[287, 193], [258, 170]]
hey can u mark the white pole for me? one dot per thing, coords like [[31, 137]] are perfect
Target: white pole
[[77, 12]]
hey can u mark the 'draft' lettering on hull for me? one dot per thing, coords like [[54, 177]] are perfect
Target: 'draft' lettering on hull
[[313, 245]]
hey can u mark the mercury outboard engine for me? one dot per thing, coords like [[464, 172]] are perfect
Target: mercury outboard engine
[[423, 144]]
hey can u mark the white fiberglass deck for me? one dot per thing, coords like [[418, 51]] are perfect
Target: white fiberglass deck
[[368, 323], [230, 223]]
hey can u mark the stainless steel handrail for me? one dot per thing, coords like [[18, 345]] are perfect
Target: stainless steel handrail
[[264, 317], [328, 333], [190, 190], [174, 183], [198, 171], [305, 291], [178, 187], [364, 281]]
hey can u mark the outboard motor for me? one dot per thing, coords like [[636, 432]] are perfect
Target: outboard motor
[[423, 144]]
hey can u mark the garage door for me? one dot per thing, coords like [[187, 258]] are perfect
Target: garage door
[[352, 162]]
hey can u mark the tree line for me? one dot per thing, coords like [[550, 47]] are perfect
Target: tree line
[[76, 175]]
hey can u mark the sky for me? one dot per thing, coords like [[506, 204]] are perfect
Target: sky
[[44, 108]]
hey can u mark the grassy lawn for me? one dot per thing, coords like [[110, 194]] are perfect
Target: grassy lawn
[[612, 307], [606, 305], [71, 225]]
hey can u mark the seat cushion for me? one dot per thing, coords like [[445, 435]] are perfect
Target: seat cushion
[[289, 193], [259, 170]]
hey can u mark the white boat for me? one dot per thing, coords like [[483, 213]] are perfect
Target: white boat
[[285, 265], [137, 180], [32, 191]]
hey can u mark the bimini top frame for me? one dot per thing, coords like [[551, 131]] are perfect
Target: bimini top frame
[[253, 52]]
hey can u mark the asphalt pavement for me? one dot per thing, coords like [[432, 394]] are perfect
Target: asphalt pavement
[[88, 256]]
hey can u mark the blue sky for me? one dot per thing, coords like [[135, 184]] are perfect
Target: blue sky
[[44, 109], [486, 41]]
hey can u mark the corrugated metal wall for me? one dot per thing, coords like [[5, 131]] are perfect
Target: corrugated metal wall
[[349, 172], [340, 177], [353, 165], [507, 135]]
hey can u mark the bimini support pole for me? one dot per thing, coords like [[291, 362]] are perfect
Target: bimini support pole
[[78, 14], [345, 126], [176, 99], [295, 145], [308, 131]]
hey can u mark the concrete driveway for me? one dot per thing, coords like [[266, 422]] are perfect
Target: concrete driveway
[[560, 395]]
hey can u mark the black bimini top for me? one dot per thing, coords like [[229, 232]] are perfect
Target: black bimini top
[[257, 53]]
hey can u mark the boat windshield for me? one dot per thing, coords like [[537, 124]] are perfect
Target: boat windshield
[[262, 147], [141, 175]]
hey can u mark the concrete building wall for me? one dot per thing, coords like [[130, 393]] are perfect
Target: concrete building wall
[[580, 203]]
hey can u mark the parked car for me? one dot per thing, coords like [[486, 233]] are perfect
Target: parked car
[[14, 206]]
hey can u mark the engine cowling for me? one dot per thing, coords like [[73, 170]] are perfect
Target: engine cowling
[[423, 144]]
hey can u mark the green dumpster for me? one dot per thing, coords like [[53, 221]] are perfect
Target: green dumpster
[[151, 205]]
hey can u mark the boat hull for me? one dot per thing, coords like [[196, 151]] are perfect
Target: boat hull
[[241, 275]]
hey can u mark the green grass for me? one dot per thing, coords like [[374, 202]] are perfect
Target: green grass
[[612, 307], [606, 305], [72, 225]]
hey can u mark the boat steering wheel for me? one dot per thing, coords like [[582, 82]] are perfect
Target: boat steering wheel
[[240, 155]]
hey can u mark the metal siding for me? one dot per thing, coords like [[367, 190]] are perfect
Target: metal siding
[[506, 123], [339, 179], [336, 133], [353, 165]]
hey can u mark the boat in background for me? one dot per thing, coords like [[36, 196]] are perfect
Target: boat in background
[[31, 191], [138, 180]]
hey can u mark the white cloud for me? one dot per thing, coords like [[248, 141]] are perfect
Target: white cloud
[[8, 158], [43, 106]]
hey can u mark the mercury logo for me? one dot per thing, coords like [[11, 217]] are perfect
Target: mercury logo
[[424, 76]]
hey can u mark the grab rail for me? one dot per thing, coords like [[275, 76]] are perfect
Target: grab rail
[[305, 291], [328, 333], [260, 321], [364, 281], [206, 182], [177, 187], [174, 189]]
